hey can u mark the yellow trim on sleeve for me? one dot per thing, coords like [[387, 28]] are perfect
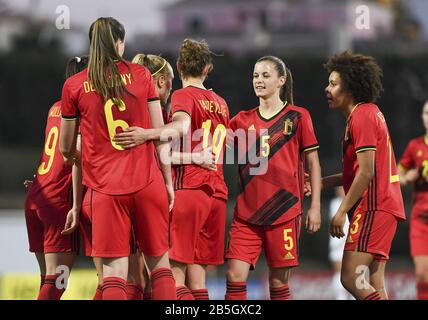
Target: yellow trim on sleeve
[[365, 149], [311, 148]]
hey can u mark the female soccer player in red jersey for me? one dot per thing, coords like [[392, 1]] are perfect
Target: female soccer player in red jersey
[[373, 198], [199, 216], [127, 189], [51, 219], [413, 169], [269, 206], [162, 76]]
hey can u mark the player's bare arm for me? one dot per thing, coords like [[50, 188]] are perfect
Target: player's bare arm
[[366, 163], [162, 149], [313, 217], [72, 221], [68, 139], [205, 158], [332, 181], [407, 176], [134, 136]]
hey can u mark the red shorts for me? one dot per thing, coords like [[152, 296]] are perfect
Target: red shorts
[[371, 232], [280, 243], [197, 227], [86, 224], [44, 226], [419, 233], [115, 217], [86, 227]]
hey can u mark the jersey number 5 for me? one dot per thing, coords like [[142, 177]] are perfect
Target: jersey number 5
[[288, 239]]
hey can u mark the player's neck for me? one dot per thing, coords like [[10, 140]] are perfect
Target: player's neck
[[347, 111], [270, 106], [193, 82]]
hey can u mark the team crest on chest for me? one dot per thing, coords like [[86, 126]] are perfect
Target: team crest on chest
[[288, 126]]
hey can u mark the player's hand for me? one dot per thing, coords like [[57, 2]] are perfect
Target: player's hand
[[131, 137], [336, 225], [77, 158], [412, 175], [313, 220], [72, 221], [205, 159], [307, 186], [171, 196]]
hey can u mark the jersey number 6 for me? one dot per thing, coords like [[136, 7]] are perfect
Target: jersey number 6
[[113, 124]]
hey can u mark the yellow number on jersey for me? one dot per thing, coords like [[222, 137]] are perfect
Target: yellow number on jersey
[[289, 244], [265, 146], [355, 224], [113, 124], [218, 137], [392, 177], [50, 145], [425, 168]]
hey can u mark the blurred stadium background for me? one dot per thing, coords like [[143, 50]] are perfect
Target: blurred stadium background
[[33, 52]]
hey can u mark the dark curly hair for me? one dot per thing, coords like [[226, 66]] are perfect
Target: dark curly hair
[[360, 75], [193, 57]]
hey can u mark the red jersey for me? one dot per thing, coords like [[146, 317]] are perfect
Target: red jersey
[[366, 129], [209, 121], [52, 183], [416, 156], [107, 167], [275, 196]]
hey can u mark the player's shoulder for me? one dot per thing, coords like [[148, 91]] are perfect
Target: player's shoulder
[[77, 79], [367, 113], [55, 109], [135, 67], [56, 104], [366, 109], [182, 92], [298, 109], [245, 114], [417, 141]]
